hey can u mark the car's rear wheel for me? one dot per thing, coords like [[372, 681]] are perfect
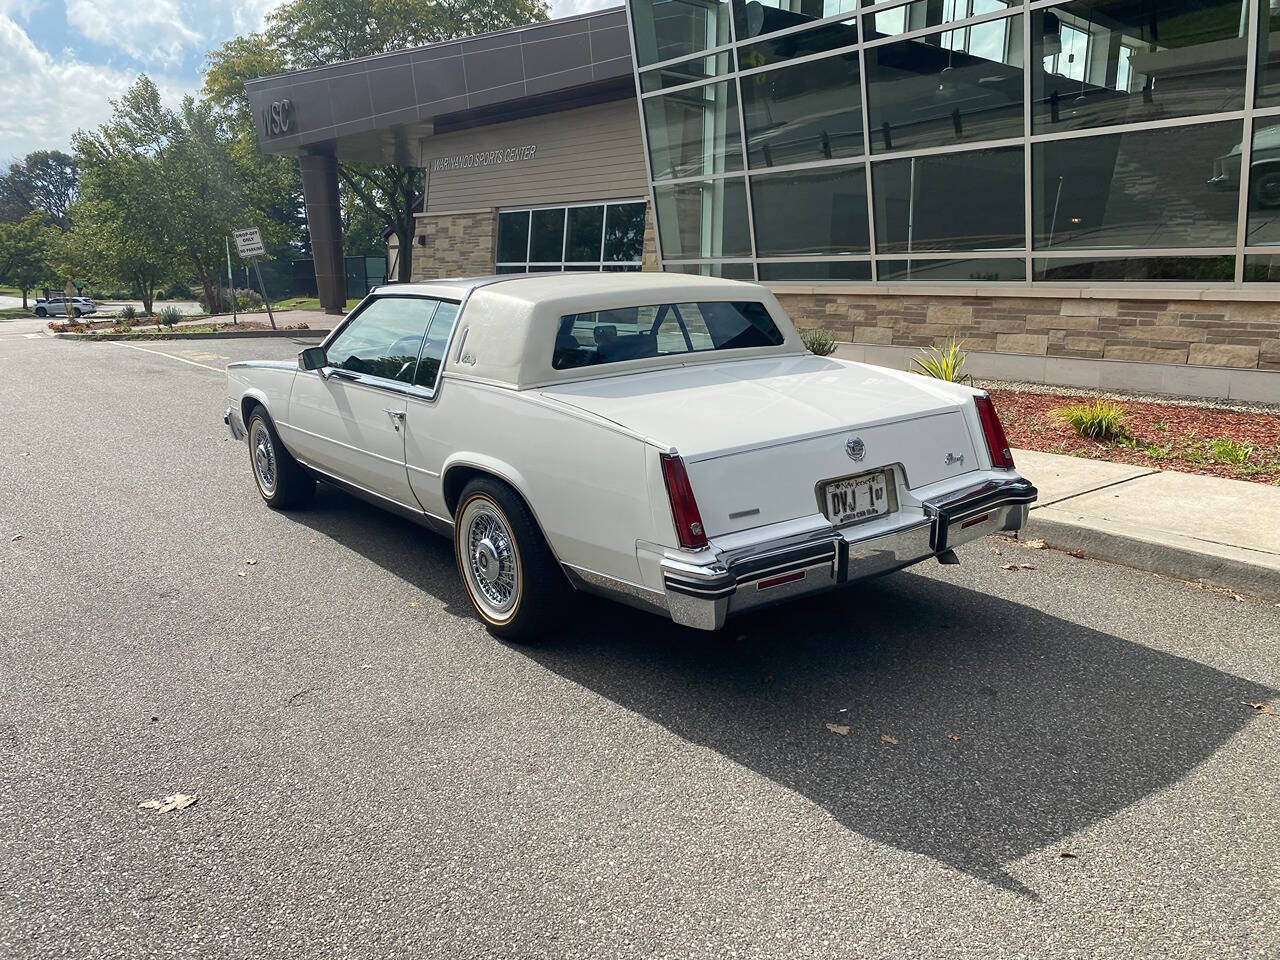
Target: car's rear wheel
[[510, 574], [282, 481]]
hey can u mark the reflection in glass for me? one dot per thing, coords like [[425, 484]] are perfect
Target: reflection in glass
[[582, 237], [1106, 62], [817, 270], [546, 236], [934, 13], [753, 18], [947, 87], [729, 271], [843, 33], [1147, 188], [624, 232], [513, 237], [694, 132], [985, 270], [1264, 182], [955, 201], [811, 211], [1137, 268], [810, 111], [1262, 269], [703, 219], [666, 29], [686, 71]]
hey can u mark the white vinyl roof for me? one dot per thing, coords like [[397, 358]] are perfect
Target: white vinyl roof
[[507, 331]]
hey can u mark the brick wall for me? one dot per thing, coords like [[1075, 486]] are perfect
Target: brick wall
[[1242, 334], [458, 245], [649, 258]]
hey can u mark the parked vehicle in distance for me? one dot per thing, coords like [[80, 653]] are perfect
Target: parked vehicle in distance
[[663, 440], [59, 307]]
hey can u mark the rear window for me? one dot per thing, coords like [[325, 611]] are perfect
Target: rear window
[[661, 330]]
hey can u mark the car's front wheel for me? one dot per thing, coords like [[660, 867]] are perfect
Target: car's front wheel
[[78, 312], [512, 577], [282, 481], [41, 312]]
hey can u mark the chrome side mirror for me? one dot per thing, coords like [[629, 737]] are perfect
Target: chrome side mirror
[[312, 358]]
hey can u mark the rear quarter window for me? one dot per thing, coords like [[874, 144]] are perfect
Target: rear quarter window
[[661, 330]]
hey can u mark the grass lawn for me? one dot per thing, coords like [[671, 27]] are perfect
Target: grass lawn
[[306, 303]]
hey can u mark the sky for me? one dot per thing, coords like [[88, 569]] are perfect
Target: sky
[[62, 61]]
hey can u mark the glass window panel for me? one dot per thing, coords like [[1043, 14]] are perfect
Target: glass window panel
[[694, 132], [582, 239], [624, 232], [511, 268], [703, 219], [666, 29], [1105, 62], [810, 111], [1268, 80], [1262, 269], [384, 339], [811, 211], [621, 268], [728, 271], [686, 71], [1147, 188], [754, 18], [513, 237], [985, 270], [930, 13], [829, 37], [948, 87], [817, 270], [546, 241], [1136, 268], [436, 344], [1264, 182], [955, 201]]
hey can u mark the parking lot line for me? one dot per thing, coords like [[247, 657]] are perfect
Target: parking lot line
[[171, 356]]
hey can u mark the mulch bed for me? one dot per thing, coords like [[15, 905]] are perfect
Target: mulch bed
[[1164, 436]]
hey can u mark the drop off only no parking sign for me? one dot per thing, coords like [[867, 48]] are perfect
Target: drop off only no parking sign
[[249, 243]]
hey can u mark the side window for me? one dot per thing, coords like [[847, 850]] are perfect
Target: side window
[[437, 342], [384, 339]]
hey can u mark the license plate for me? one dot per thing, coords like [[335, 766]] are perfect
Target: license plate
[[857, 498]]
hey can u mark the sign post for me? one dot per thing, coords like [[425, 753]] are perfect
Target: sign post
[[231, 284], [249, 246]]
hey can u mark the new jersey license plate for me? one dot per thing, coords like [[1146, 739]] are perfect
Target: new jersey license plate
[[857, 498]]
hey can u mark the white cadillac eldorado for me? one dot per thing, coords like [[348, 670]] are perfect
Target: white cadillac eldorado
[[663, 440]]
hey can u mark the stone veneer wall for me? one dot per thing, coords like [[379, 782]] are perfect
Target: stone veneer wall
[[458, 244], [1216, 333]]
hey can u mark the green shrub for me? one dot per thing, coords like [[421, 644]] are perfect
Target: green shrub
[[128, 313], [819, 341], [1223, 450], [943, 363], [169, 316], [1100, 420]]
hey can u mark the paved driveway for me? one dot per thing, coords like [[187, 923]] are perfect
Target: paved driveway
[[1046, 762]]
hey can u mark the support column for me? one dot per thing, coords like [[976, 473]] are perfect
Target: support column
[[320, 193]]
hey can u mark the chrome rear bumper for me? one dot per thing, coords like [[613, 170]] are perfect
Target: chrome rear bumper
[[703, 593]]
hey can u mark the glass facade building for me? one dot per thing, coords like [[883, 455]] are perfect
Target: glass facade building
[[963, 140]]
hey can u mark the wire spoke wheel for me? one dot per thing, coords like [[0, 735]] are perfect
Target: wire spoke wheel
[[490, 561], [263, 452]]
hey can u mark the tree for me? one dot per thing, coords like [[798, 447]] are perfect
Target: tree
[[24, 248], [123, 222], [45, 180], [311, 33]]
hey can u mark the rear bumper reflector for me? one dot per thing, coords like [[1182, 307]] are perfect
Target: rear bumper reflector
[[779, 581]]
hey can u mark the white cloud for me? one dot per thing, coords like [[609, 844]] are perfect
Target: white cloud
[[568, 8], [154, 30], [45, 99]]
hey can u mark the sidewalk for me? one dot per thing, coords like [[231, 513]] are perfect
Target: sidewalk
[[1222, 532]]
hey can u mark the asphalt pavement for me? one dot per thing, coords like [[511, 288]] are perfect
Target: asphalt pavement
[[1042, 762]]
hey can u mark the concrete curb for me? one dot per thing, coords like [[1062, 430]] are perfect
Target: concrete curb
[[1210, 566], [177, 335]]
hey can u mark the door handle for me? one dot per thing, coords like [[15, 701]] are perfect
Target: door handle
[[397, 416]]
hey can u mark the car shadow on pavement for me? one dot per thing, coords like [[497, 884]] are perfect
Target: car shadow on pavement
[[981, 731]]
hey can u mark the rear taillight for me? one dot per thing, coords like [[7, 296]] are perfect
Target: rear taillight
[[993, 431], [684, 509]]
